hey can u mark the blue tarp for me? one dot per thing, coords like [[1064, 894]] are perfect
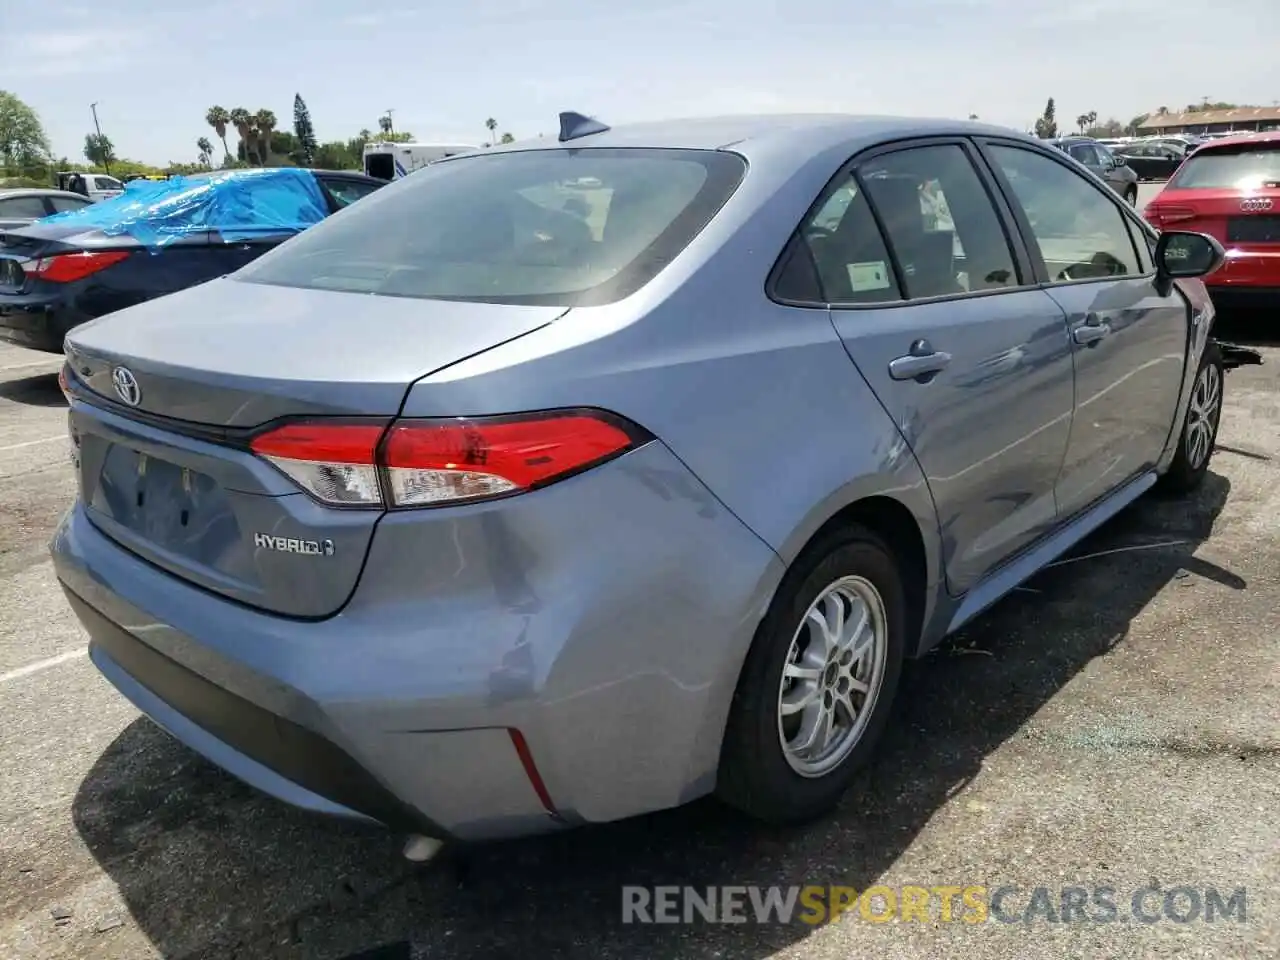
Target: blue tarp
[[239, 204]]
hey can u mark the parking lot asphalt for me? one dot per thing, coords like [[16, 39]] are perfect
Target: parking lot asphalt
[[1115, 723]]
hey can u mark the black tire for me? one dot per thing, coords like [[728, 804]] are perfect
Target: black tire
[[1191, 464], [1131, 195], [755, 775]]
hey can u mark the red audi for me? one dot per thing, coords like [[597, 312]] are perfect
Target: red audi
[[1230, 189]]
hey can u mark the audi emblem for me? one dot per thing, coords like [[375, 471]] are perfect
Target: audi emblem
[[126, 385], [1255, 204]]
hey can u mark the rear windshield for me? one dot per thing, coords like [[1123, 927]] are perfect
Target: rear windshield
[[1240, 168], [552, 227]]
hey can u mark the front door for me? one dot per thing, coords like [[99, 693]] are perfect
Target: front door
[[971, 361], [1129, 341]]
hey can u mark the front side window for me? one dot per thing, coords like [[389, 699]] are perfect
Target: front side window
[[1080, 233], [568, 227], [106, 183]]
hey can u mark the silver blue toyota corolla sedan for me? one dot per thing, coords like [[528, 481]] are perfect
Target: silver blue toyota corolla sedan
[[581, 477]]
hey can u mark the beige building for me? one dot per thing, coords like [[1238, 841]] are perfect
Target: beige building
[[1241, 119]]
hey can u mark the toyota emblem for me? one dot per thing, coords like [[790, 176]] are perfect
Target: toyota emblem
[[1255, 204], [126, 385]]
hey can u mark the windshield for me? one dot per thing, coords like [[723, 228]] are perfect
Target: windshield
[[552, 227], [1242, 168]]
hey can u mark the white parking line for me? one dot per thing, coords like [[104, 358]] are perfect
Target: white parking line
[[32, 443], [34, 363], [39, 665]]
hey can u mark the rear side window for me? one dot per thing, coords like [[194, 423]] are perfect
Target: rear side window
[[1238, 168], [23, 207], [106, 183], [847, 250], [553, 227], [347, 192]]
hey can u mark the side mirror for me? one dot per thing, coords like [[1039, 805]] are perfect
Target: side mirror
[[1181, 254]]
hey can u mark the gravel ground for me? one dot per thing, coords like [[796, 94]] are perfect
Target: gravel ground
[[1113, 724]]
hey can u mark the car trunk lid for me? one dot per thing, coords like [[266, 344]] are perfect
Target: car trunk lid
[[167, 471]]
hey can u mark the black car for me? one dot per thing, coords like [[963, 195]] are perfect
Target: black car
[[156, 239], [1153, 159]]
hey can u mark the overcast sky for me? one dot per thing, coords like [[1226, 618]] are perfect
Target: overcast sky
[[155, 67]]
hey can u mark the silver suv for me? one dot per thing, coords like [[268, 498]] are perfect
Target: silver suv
[[1103, 164]]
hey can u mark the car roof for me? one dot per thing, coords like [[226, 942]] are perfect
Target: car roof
[[749, 134], [1237, 140], [6, 192]]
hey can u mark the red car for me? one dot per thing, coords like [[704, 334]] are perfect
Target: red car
[[1230, 189]]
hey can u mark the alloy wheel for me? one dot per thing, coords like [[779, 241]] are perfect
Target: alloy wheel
[[1203, 414], [832, 677]]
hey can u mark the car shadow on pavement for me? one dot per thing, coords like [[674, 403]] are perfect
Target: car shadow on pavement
[[41, 390], [208, 867]]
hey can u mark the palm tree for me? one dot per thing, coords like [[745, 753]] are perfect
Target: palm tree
[[265, 123], [242, 120], [491, 125], [206, 151], [384, 123], [218, 118]]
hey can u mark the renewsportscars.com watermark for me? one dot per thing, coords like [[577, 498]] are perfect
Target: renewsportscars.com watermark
[[970, 904]]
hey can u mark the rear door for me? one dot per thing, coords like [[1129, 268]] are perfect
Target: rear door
[[1129, 341], [933, 300]]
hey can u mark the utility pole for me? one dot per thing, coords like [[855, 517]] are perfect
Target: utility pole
[[94, 107]]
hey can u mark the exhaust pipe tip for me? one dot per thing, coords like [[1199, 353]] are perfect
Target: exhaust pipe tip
[[420, 849]]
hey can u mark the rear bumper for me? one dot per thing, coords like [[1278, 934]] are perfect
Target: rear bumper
[[605, 619], [37, 323], [1227, 299]]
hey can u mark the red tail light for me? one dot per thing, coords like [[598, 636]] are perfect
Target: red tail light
[[62, 382], [66, 267], [422, 463]]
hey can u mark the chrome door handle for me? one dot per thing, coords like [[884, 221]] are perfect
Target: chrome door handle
[[921, 364], [1091, 331]]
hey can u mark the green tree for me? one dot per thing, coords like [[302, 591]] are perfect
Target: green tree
[[99, 150], [1108, 128], [24, 147], [491, 125], [305, 133], [218, 118], [242, 120], [1047, 124], [335, 155], [1206, 104], [1131, 128], [264, 124], [206, 151], [508, 138]]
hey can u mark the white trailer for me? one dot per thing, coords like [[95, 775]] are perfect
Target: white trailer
[[390, 161]]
